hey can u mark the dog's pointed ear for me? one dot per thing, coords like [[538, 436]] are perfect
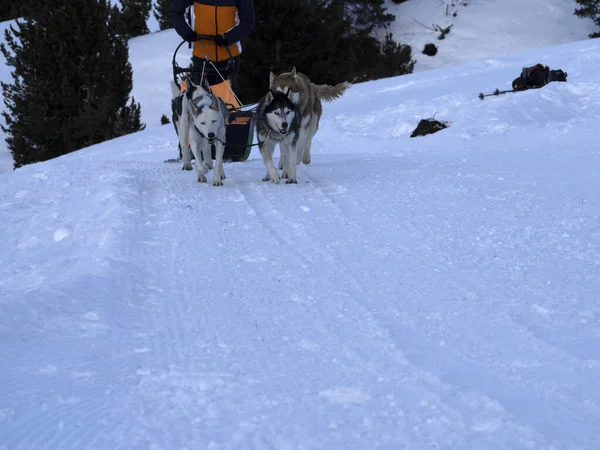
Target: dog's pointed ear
[[193, 108], [293, 72], [271, 78], [269, 96], [205, 84], [189, 88], [216, 105]]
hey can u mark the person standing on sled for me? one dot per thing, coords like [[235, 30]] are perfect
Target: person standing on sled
[[219, 25]]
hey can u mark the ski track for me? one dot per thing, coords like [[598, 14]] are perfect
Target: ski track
[[179, 354], [437, 292], [513, 401], [325, 197]]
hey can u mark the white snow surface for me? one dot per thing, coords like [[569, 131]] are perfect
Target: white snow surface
[[408, 293], [480, 29], [484, 28]]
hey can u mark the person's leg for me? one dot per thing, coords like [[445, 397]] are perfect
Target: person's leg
[[228, 69], [234, 72]]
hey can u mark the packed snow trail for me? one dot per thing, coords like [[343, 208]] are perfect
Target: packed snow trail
[[438, 292], [274, 316]]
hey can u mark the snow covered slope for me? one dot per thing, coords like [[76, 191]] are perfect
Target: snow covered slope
[[436, 292], [484, 28], [481, 29]]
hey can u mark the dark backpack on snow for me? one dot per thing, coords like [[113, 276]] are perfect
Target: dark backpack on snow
[[537, 76]]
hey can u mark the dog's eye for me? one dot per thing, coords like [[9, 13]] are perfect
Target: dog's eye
[[202, 123], [276, 113], [215, 121]]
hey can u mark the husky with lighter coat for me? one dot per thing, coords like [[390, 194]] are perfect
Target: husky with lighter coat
[[200, 119]]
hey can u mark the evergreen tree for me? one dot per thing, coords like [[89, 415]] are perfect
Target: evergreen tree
[[299, 38], [589, 9], [9, 10], [367, 14], [374, 59], [134, 17], [395, 59], [161, 14], [71, 80], [320, 38], [6, 11]]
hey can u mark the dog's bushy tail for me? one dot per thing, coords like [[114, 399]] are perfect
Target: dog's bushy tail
[[174, 89], [329, 93]]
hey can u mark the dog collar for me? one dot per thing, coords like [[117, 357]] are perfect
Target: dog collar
[[266, 138], [269, 136]]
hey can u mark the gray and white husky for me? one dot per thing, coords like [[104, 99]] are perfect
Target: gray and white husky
[[277, 122], [307, 96], [200, 119]]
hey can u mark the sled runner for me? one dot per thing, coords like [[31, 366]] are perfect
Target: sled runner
[[240, 125]]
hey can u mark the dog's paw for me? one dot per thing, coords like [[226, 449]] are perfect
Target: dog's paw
[[306, 159], [291, 181], [201, 179], [187, 166], [217, 183], [275, 179]]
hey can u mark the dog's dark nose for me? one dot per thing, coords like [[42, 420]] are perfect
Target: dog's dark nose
[[284, 125], [211, 135]]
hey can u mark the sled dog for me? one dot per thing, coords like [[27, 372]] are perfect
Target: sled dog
[[278, 122], [200, 119], [307, 96]]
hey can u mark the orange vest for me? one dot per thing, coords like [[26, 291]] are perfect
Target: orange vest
[[214, 20]]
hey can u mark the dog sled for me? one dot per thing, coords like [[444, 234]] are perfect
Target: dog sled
[[241, 122]]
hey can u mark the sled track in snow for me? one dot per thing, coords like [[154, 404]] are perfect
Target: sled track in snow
[[183, 356], [175, 384], [346, 319], [148, 320]]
